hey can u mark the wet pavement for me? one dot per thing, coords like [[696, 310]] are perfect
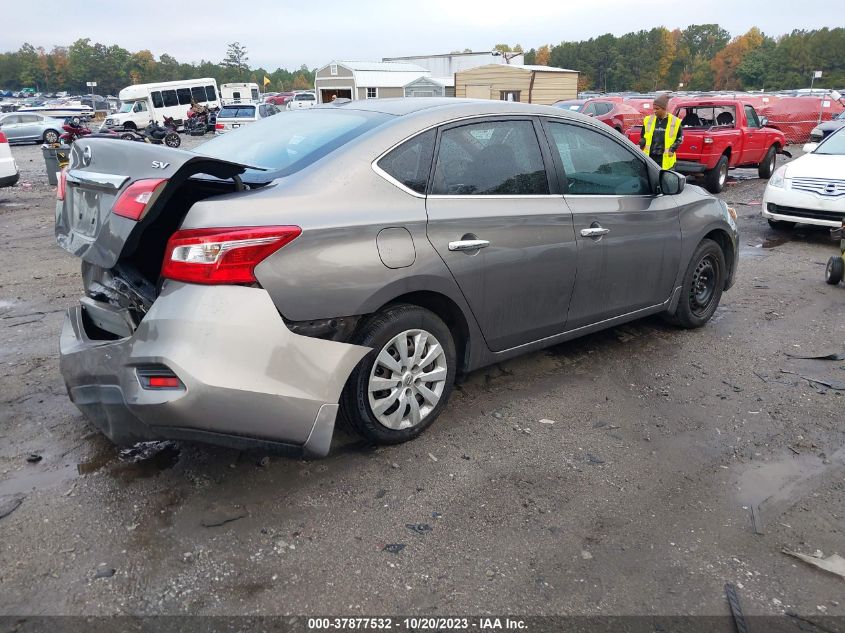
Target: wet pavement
[[634, 471]]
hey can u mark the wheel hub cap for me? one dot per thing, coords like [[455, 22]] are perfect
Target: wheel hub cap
[[407, 380]]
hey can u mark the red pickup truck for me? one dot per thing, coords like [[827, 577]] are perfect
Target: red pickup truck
[[720, 134]]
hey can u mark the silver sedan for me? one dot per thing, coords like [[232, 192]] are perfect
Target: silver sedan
[[30, 128], [352, 259]]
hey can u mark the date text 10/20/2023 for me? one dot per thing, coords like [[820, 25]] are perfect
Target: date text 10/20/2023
[[416, 624]]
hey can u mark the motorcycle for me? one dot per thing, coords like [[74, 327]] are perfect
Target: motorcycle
[[200, 120], [156, 134], [74, 128]]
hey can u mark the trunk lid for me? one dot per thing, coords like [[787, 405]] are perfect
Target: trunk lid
[[99, 171]]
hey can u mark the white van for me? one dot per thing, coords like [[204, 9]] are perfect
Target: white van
[[143, 103], [239, 93]]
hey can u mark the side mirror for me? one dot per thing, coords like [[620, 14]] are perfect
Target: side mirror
[[671, 182], [810, 147], [764, 121]]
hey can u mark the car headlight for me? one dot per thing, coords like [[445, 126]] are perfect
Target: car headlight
[[778, 178]]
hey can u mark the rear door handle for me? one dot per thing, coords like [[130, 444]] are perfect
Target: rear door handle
[[468, 245], [594, 231]]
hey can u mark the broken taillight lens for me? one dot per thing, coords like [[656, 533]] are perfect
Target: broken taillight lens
[[222, 255], [134, 202]]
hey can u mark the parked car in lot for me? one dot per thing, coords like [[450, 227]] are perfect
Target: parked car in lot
[[613, 112], [301, 100], [9, 174], [280, 98], [234, 116], [30, 128], [570, 104], [721, 134], [809, 189], [353, 259], [822, 130]]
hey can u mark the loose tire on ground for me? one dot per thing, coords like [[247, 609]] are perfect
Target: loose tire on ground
[[834, 271], [714, 179], [702, 287], [767, 167], [385, 367]]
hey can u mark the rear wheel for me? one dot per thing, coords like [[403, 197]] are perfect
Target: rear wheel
[[834, 271], [702, 287], [402, 385], [172, 140], [714, 179], [766, 168], [781, 225], [51, 136]]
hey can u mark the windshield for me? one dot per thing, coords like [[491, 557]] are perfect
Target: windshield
[[237, 112], [841, 116], [127, 107], [833, 144], [285, 144]]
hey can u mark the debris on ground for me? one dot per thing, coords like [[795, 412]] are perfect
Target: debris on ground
[[33, 458], [10, 503], [263, 462], [104, 572], [594, 459], [433, 458], [142, 451], [834, 563], [546, 421], [217, 515], [820, 356], [393, 548], [586, 555], [419, 528], [736, 608]]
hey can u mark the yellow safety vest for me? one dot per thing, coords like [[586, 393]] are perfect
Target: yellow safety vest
[[673, 126]]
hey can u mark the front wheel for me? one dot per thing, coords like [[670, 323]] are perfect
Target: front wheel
[[766, 168], [403, 384], [714, 179], [834, 271], [702, 288], [172, 140], [51, 137]]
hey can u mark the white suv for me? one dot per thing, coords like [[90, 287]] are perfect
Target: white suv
[[302, 100]]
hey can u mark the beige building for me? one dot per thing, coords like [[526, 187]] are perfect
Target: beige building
[[528, 84], [365, 80]]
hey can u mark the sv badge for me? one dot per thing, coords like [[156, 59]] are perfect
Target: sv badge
[[160, 164]]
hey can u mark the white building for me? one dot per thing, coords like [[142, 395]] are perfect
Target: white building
[[442, 68], [365, 80]]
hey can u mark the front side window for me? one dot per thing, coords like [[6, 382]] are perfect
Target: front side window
[[597, 165], [184, 95], [198, 93], [371, 93], [157, 100], [410, 163], [140, 106], [169, 97], [491, 158], [751, 116]]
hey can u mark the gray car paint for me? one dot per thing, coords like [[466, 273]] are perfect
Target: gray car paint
[[30, 132], [335, 268]]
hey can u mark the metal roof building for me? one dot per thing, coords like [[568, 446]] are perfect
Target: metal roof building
[[365, 80]]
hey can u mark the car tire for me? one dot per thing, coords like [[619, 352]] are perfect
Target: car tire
[[129, 127], [834, 271], [714, 179], [702, 286], [375, 413], [172, 139], [781, 225], [766, 168], [51, 137]]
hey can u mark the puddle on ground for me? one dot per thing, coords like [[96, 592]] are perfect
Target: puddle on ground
[[776, 483]]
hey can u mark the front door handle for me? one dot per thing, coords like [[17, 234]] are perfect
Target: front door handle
[[594, 231], [468, 245]]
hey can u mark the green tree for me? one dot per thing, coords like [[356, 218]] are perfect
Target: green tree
[[236, 60]]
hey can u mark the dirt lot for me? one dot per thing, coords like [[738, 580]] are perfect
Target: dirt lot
[[637, 499]]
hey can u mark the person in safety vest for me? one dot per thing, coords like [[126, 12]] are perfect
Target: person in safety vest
[[662, 134]]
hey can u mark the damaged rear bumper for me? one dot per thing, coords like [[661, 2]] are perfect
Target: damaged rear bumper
[[245, 379]]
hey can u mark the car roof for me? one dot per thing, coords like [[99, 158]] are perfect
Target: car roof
[[448, 106]]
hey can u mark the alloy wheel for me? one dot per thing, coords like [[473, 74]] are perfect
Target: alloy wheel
[[407, 379]]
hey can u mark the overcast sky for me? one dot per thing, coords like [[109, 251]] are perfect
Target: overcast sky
[[313, 32]]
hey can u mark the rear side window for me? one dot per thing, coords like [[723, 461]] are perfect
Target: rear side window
[[210, 93], [198, 93], [169, 97], [410, 163], [184, 95], [596, 165], [491, 158], [237, 112], [158, 102]]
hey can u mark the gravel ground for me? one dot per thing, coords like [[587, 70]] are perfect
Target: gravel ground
[[614, 474]]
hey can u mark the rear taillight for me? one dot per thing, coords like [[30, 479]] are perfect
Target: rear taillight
[[137, 198], [223, 255], [219, 126], [159, 377], [3, 138], [61, 188]]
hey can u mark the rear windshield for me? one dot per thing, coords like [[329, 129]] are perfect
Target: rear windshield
[[237, 112], [286, 143]]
